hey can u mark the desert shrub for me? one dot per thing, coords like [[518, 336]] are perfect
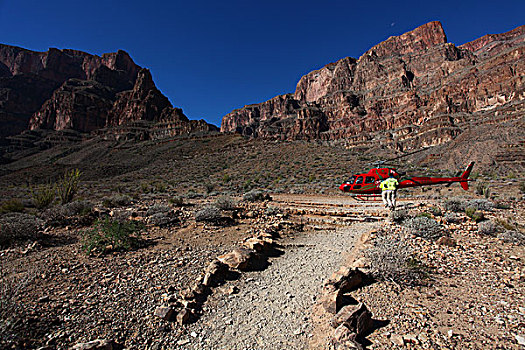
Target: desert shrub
[[111, 235], [512, 236], [392, 260], [209, 213], [225, 203], [67, 187], [522, 187], [255, 196], [43, 195], [424, 215], [117, 200], [474, 214], [481, 204], [157, 208], [18, 227], [488, 228], [424, 227], [209, 186], [452, 218], [436, 211], [398, 215], [507, 224], [483, 189], [501, 205], [11, 206], [272, 211], [177, 201], [78, 212], [457, 205], [163, 219], [160, 186]]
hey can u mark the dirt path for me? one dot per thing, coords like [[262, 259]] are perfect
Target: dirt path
[[272, 308]]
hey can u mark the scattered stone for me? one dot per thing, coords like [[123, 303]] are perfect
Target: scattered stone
[[331, 300], [241, 258], [397, 339], [410, 339], [183, 342], [215, 273], [184, 316], [520, 339], [448, 241], [342, 334], [43, 299], [346, 279], [98, 344], [356, 318], [165, 312], [259, 245]]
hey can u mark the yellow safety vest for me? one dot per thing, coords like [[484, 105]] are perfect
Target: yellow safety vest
[[389, 184]]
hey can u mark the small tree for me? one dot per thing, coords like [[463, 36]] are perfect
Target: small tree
[[68, 186]]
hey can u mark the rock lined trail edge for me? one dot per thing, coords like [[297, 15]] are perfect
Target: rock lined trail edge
[[272, 309]]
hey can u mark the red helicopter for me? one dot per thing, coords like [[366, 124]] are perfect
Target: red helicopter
[[367, 185]]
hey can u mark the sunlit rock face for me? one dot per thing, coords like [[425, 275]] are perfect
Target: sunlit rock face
[[416, 89]]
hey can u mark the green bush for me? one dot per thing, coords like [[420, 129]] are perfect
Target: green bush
[[111, 235], [11, 206], [522, 187], [43, 195], [474, 214], [68, 186]]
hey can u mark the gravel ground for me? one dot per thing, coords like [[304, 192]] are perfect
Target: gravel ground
[[272, 308]]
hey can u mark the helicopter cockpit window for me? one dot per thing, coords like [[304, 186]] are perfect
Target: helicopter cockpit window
[[359, 180], [370, 180], [352, 180]]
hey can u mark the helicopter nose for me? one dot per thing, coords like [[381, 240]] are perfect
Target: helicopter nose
[[344, 187]]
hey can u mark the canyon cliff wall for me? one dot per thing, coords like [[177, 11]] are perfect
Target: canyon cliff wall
[[74, 90], [412, 90]]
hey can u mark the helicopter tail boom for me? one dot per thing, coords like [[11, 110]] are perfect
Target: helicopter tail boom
[[465, 175]]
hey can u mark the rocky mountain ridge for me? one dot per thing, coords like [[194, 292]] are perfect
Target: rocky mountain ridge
[[409, 91], [73, 90]]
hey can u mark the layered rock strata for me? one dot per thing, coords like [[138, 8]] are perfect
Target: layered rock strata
[[411, 90], [69, 89]]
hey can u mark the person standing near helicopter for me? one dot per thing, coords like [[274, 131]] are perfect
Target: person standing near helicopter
[[389, 191]]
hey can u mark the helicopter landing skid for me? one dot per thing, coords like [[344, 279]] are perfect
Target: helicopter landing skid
[[367, 197]]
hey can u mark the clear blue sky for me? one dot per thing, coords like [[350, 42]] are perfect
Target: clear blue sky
[[210, 57]]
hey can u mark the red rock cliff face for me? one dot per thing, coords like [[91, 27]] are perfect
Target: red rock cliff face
[[69, 89], [416, 87]]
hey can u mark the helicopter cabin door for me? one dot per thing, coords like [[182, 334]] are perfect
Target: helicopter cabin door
[[359, 182]]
